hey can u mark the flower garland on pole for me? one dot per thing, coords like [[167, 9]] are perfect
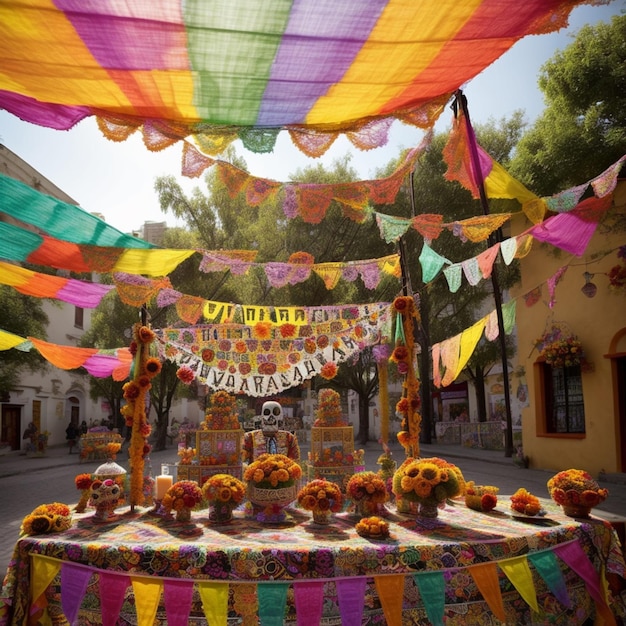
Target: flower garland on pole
[[144, 369], [403, 355]]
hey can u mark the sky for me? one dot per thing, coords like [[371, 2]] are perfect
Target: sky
[[117, 179]]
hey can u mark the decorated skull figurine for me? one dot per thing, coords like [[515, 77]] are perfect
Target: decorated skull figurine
[[105, 495], [271, 418]]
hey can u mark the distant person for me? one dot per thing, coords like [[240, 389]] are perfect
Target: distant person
[[71, 435], [30, 432], [83, 428]]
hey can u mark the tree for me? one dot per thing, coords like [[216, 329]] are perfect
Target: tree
[[583, 127], [23, 316]]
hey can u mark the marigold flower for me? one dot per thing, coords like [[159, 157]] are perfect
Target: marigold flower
[[262, 330], [329, 370]]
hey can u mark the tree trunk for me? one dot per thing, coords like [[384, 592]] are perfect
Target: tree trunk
[[364, 420], [479, 389]]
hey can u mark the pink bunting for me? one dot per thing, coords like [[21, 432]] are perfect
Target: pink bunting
[[112, 592], [351, 594], [553, 281], [486, 260], [309, 598], [177, 596]]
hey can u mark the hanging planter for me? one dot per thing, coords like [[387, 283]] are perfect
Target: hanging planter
[[562, 349]]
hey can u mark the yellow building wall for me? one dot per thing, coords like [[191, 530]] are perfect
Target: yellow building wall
[[596, 321]]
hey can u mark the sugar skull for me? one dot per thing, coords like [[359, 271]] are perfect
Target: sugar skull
[[104, 493], [271, 418]]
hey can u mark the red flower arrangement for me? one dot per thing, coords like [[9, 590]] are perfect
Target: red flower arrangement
[[320, 495], [576, 487], [329, 370], [481, 497], [185, 375], [184, 494]]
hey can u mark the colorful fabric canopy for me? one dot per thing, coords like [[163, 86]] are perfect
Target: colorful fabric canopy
[[176, 67]]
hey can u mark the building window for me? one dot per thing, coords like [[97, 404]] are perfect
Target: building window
[[563, 399], [78, 317]]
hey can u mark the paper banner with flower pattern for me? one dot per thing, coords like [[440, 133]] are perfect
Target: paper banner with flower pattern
[[264, 359]]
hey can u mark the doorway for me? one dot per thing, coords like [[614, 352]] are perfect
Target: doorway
[[11, 425]]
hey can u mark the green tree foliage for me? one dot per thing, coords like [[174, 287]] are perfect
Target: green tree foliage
[[583, 127], [23, 316]]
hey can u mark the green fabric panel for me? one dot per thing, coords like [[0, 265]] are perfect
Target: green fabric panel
[[67, 222], [16, 243], [237, 57]]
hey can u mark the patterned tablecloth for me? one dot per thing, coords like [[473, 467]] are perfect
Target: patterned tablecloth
[[546, 570]]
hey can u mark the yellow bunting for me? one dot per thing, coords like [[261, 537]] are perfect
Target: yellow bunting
[[255, 314], [330, 273], [147, 596], [151, 262], [9, 340], [214, 598], [217, 312], [518, 572], [450, 358], [469, 338], [43, 573]]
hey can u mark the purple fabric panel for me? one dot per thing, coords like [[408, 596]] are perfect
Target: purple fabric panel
[[324, 38], [121, 40], [55, 116], [101, 365], [82, 294]]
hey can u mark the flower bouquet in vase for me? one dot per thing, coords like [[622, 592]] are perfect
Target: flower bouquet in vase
[[368, 493], [322, 498], [576, 491], [272, 484], [429, 482], [223, 493], [181, 498]]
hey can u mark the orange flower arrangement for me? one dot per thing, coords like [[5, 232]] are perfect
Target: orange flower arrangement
[[273, 471], [522, 501], [373, 528], [576, 487], [320, 495], [481, 497], [428, 481], [186, 455], [47, 518], [329, 370], [184, 494], [224, 489], [262, 330], [367, 487]]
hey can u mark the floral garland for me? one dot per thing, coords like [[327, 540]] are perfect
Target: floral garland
[[273, 471], [184, 494], [223, 489], [368, 487], [47, 518], [320, 495], [428, 481], [145, 369], [403, 356], [576, 487], [187, 455], [481, 497]]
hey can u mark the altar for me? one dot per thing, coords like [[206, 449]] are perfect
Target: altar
[[463, 567]]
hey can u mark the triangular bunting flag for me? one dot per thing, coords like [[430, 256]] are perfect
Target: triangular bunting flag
[[351, 594], [469, 338], [450, 358], [147, 597], [309, 597], [214, 598], [432, 588], [112, 591], [508, 316], [492, 330], [546, 564], [518, 572], [390, 592], [431, 263], [508, 248], [272, 602], [485, 576], [486, 260], [576, 558], [42, 574], [453, 275], [74, 581], [471, 271], [177, 597]]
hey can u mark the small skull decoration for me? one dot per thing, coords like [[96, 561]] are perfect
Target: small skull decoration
[[105, 495], [271, 418]]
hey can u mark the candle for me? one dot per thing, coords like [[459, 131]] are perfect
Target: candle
[[162, 484]]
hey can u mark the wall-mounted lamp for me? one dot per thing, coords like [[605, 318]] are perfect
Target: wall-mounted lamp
[[589, 288]]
